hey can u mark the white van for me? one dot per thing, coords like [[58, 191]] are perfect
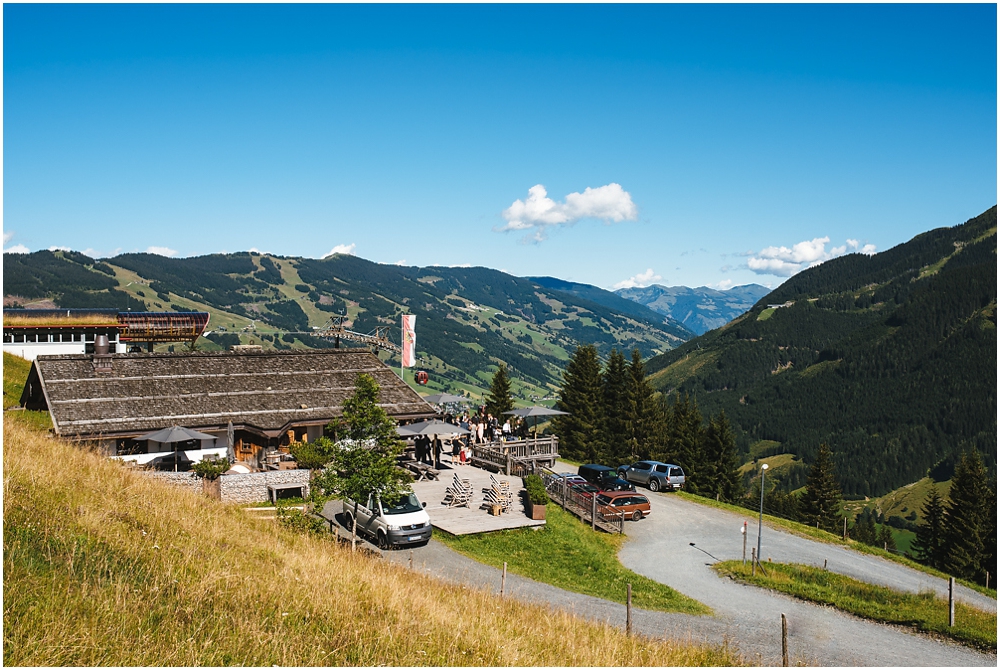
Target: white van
[[403, 522]]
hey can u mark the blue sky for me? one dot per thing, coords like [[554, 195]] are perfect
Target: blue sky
[[613, 145]]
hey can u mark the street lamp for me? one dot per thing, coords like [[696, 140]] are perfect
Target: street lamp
[[760, 519]]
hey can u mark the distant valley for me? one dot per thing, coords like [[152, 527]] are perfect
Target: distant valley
[[699, 309]]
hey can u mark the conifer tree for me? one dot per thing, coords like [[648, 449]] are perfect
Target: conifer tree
[[499, 401], [685, 440], [863, 529], [580, 431], [885, 538], [721, 475], [822, 498], [646, 423], [616, 409], [929, 544], [967, 519]]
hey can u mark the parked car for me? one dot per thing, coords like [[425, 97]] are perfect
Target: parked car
[[654, 474], [604, 478], [584, 489], [403, 521], [633, 505]]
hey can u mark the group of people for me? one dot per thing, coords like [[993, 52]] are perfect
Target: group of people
[[483, 427]]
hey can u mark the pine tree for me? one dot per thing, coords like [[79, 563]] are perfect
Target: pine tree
[[580, 431], [721, 475], [967, 519], [646, 423], [929, 544], [822, 498], [863, 529], [684, 440], [885, 538], [615, 393], [499, 401]]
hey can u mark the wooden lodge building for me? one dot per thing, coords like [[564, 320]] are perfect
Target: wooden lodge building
[[271, 398]]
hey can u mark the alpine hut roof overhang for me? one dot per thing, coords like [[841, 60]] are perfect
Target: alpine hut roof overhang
[[266, 392]]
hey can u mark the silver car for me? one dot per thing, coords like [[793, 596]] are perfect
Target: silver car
[[654, 474]]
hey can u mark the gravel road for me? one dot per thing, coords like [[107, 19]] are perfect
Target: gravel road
[[659, 547], [746, 618]]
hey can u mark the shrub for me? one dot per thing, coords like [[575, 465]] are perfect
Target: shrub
[[301, 522], [210, 468], [536, 490]]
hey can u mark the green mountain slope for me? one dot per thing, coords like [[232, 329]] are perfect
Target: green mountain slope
[[614, 301], [699, 309], [468, 319], [890, 359]]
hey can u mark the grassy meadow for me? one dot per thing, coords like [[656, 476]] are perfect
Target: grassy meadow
[[924, 611], [567, 554]]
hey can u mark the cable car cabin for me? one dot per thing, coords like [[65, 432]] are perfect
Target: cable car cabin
[[421, 377]]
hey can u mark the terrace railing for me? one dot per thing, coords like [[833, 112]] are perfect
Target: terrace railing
[[517, 457], [583, 505]]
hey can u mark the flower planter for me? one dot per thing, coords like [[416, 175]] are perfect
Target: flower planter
[[536, 512]]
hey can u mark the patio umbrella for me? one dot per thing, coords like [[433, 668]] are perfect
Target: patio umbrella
[[230, 443], [173, 435], [431, 427], [444, 399], [535, 411]]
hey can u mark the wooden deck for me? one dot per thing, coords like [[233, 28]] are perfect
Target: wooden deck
[[471, 519], [517, 457]]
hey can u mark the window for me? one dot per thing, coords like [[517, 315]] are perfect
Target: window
[[19, 337], [30, 337], [676, 472], [661, 468], [641, 465]]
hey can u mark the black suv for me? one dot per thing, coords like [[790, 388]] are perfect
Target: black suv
[[604, 478]]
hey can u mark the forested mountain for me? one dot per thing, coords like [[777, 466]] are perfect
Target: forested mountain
[[890, 359], [612, 300], [469, 319], [699, 309]]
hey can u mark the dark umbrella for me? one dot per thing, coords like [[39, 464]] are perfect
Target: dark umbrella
[[444, 399], [431, 427], [173, 435], [535, 411]]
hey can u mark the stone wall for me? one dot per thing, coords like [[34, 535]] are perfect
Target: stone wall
[[252, 487], [187, 480], [235, 488]]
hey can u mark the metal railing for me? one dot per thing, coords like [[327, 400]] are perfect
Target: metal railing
[[583, 505], [516, 457]]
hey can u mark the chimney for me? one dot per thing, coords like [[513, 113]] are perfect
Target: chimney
[[102, 359]]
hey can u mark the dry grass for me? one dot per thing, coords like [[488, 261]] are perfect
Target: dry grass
[[105, 567]]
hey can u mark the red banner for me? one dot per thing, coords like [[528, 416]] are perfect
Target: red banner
[[409, 340]]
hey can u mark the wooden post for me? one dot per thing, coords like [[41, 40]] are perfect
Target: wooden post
[[503, 578], [784, 641], [824, 564], [411, 559], [987, 579], [744, 543], [753, 561], [845, 527], [593, 513], [628, 610], [951, 602]]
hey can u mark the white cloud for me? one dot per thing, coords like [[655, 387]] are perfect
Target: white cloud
[[402, 261], [610, 203], [17, 249], [341, 249], [55, 247], [642, 279], [161, 251], [461, 265], [784, 262], [7, 235], [723, 285]]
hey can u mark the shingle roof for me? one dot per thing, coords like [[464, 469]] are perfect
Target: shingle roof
[[267, 390]]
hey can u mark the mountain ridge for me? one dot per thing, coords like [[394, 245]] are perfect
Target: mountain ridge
[[700, 309], [889, 358]]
